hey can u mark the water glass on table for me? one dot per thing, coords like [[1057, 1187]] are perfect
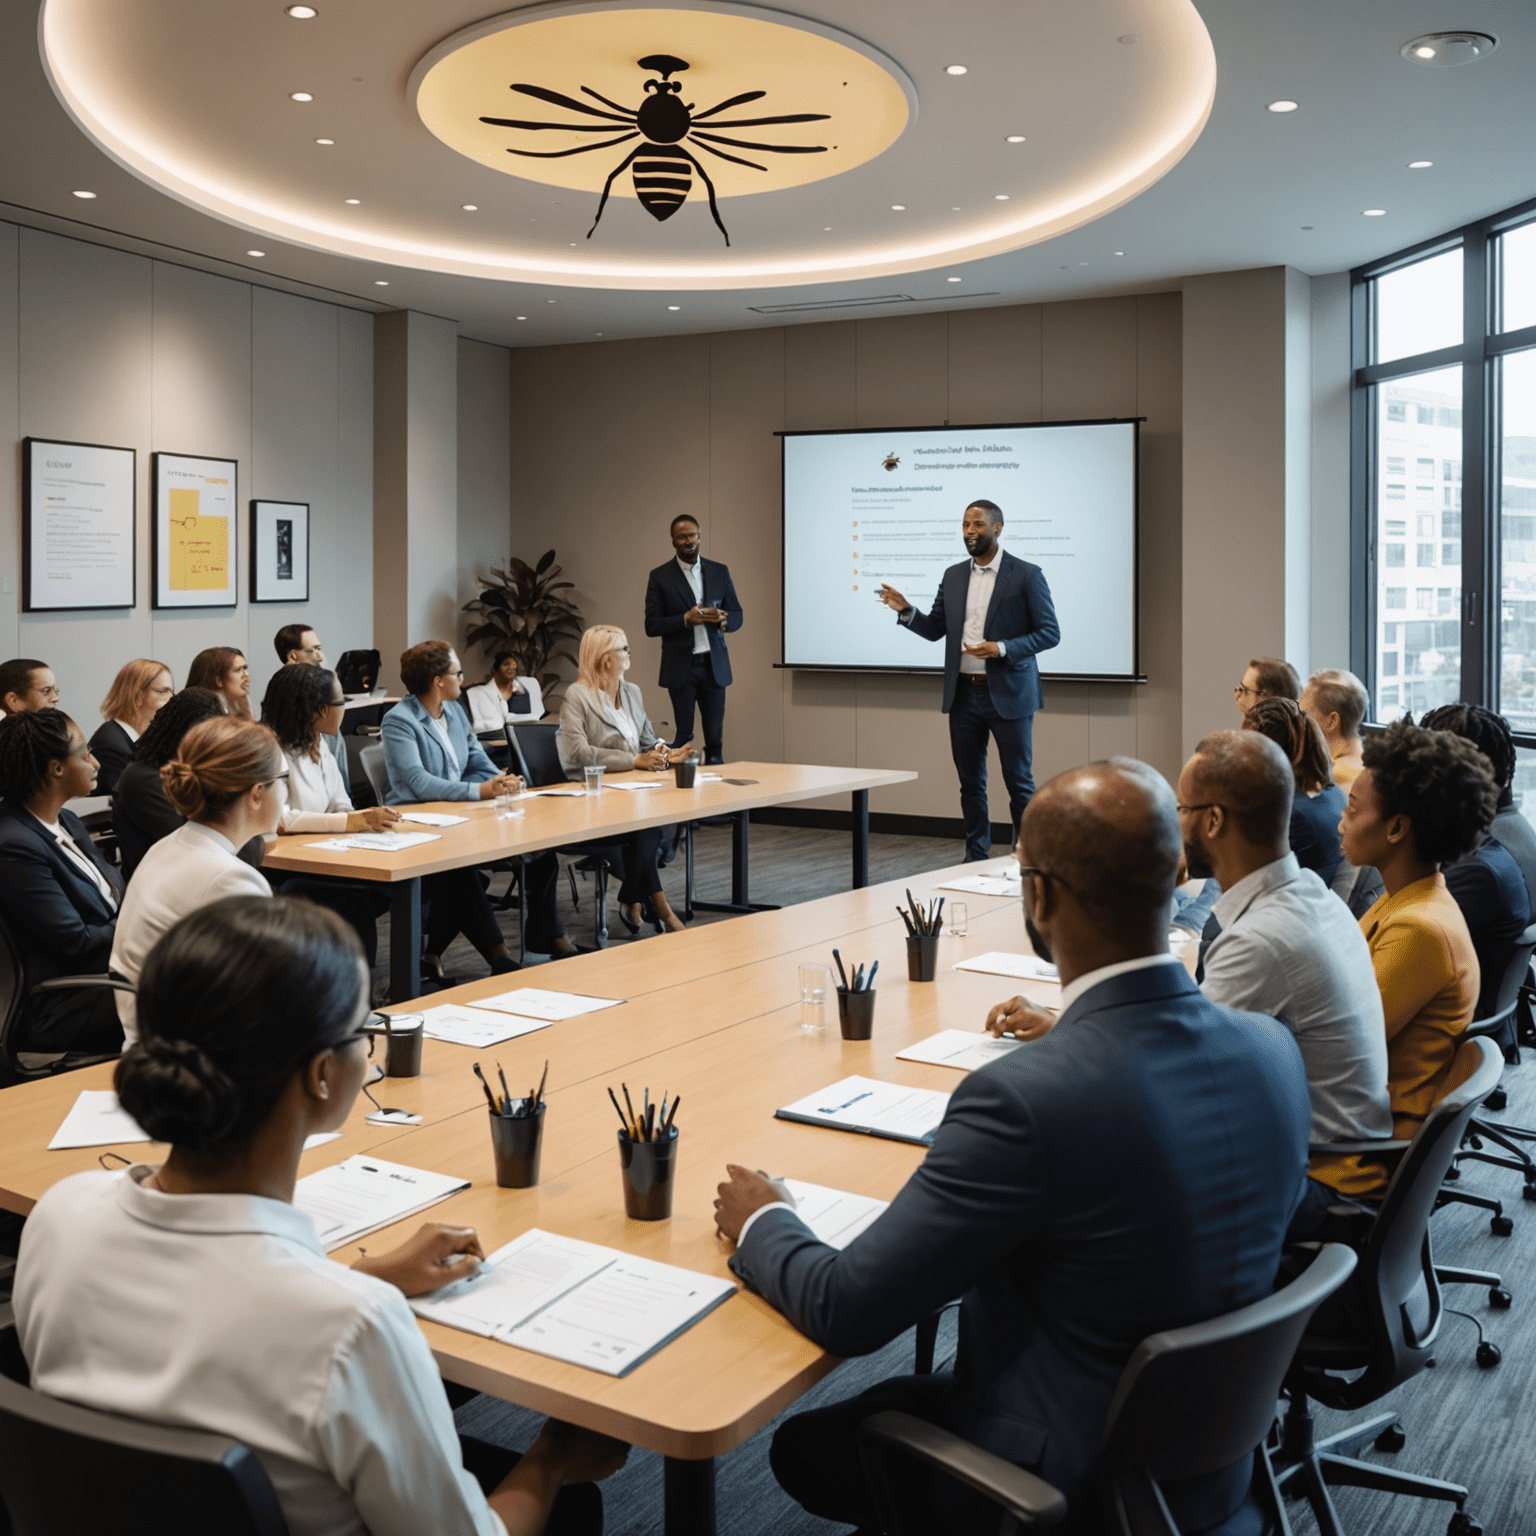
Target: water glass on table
[[594, 777], [507, 805], [815, 986], [957, 920]]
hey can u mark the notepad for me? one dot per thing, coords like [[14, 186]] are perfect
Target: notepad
[[478, 1027], [872, 1108], [998, 963], [537, 1003], [833, 1215], [959, 1048], [577, 1302], [362, 1194], [377, 842], [432, 818]]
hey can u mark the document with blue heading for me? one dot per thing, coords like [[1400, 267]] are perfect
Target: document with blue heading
[[872, 1108]]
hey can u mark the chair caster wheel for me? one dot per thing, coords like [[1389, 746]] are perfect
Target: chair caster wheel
[[1501, 1226], [1498, 1098], [1462, 1524], [1529, 1191], [1488, 1355], [1392, 1438], [1499, 1298], [1452, 1174]]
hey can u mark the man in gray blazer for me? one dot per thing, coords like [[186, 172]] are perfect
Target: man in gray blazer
[[995, 615], [1132, 1171]]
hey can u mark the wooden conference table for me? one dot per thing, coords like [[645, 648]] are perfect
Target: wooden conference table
[[558, 821], [712, 1014]]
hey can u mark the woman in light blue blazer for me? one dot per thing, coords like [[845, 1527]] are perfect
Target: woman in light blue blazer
[[430, 753]]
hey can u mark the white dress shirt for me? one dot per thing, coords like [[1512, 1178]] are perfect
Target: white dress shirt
[[190, 868], [127, 730], [222, 1313], [440, 725], [76, 857], [318, 801], [978, 597], [488, 710], [694, 576]]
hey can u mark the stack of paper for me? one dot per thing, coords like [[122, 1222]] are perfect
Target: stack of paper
[[351, 1199], [873, 1109], [476, 1026], [641, 784], [575, 1301], [377, 842], [958, 1048], [984, 885], [835, 1216], [1022, 967], [557, 790], [432, 818], [538, 1003]]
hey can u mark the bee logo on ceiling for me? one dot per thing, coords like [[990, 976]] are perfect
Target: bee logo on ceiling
[[661, 167]]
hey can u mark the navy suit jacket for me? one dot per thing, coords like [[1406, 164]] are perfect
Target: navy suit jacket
[[668, 597], [1133, 1170], [1020, 614], [1490, 890]]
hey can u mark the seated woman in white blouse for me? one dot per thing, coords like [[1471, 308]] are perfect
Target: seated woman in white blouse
[[226, 779], [503, 696], [603, 724], [194, 1294]]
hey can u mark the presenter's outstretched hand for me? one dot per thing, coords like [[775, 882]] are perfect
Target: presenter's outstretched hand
[[1020, 1018], [892, 598]]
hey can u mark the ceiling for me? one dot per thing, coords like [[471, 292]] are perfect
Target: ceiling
[[197, 154]]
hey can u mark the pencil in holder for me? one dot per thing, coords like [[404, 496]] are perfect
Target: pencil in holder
[[922, 957], [855, 1014], [648, 1168], [516, 1142]]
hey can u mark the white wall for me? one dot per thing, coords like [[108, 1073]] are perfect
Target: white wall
[[97, 345], [485, 479]]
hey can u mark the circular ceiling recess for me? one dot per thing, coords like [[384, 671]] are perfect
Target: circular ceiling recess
[[618, 144]]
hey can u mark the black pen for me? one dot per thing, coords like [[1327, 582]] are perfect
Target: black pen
[[911, 931], [485, 1088], [619, 1112], [840, 971], [538, 1094], [506, 1093], [667, 1129], [634, 1131], [869, 981]]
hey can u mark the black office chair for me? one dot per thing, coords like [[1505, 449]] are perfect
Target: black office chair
[[1190, 1402], [1393, 1319], [103, 833], [13, 994], [71, 1471]]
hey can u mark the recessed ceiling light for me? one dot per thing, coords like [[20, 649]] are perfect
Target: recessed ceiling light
[[1438, 50], [300, 96], [81, 192], [1119, 253], [597, 333], [1082, 263], [1374, 213], [954, 210], [470, 207], [955, 69], [255, 253], [551, 301], [826, 229], [325, 141], [1420, 165], [381, 282], [1283, 106], [951, 279], [352, 202], [1014, 138], [999, 197], [898, 207], [302, 12], [1424, 51], [522, 317], [674, 306]]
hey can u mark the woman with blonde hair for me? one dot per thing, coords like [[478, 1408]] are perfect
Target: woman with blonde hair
[[225, 671], [603, 724], [137, 692], [226, 779]]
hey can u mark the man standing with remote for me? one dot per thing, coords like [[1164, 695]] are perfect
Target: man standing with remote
[[995, 615], [691, 605]]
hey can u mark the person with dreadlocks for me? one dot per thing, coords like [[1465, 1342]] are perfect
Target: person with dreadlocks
[[58, 896], [1487, 883]]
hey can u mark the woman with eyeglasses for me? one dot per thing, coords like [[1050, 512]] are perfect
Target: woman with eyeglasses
[[430, 753], [1266, 677], [140, 689], [194, 1294], [603, 724], [226, 779]]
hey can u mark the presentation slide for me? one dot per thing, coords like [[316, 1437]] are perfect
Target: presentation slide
[[862, 509]]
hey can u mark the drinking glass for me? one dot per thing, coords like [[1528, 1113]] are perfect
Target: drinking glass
[[957, 919], [594, 780], [815, 984]]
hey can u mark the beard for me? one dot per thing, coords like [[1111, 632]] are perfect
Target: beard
[[980, 544], [1196, 862], [1037, 940]]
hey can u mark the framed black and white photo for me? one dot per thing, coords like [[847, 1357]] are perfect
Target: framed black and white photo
[[279, 551], [77, 543], [194, 531]]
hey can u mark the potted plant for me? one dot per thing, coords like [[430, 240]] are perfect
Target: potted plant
[[523, 609]]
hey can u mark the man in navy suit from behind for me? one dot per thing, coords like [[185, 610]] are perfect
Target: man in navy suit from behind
[[995, 615], [1134, 1170], [691, 604]]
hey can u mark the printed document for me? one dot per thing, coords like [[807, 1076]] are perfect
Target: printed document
[[835, 1216], [432, 818], [961, 1048], [351, 1199], [377, 842], [872, 1108], [476, 1026], [538, 1003], [96, 1119], [998, 963]]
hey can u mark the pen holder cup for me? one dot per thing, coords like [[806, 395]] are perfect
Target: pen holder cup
[[516, 1144], [685, 773], [855, 1014], [648, 1168], [922, 957], [402, 1035]]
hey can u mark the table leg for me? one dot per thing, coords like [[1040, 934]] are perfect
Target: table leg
[[741, 853], [860, 839], [688, 872], [689, 1497], [405, 941]]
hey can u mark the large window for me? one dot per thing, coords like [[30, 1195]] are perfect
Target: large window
[[1445, 475]]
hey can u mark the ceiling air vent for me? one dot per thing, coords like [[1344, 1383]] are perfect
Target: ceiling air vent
[[878, 302]]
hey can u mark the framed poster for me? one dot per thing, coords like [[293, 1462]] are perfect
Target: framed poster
[[193, 531], [77, 544], [279, 551]]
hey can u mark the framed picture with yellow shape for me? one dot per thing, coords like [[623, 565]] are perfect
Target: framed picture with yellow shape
[[193, 533]]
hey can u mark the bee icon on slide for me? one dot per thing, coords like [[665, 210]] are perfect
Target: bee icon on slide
[[891, 461]]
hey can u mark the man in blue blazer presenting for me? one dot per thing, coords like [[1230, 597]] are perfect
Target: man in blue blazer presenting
[[1131, 1171], [691, 605], [994, 614]]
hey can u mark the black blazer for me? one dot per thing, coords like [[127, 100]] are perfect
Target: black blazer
[[1020, 614], [142, 814], [668, 597], [61, 922], [111, 748], [1133, 1170]]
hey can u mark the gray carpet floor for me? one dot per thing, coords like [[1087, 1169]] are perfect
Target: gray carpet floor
[[1464, 1423]]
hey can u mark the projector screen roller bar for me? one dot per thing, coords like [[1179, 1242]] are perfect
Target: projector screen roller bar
[[866, 509]]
